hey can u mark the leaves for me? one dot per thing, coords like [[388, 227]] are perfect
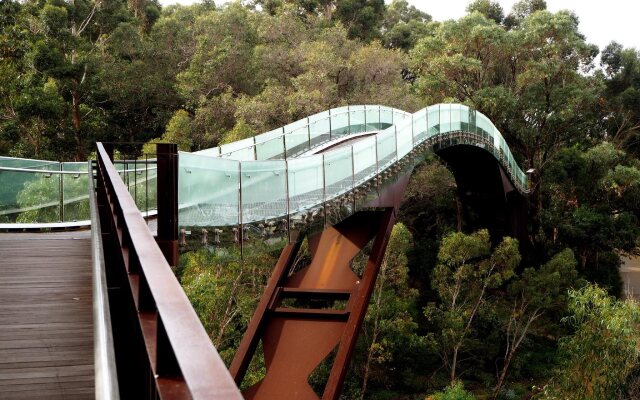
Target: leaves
[[604, 348]]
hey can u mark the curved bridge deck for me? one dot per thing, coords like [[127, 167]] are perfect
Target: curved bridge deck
[[46, 328]]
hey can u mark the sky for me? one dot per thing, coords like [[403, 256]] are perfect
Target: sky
[[600, 21]]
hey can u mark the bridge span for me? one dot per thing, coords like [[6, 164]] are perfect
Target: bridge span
[[334, 179]]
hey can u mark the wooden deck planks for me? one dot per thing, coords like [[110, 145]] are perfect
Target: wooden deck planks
[[46, 327]]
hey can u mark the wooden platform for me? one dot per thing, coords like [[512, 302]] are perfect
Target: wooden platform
[[46, 328]]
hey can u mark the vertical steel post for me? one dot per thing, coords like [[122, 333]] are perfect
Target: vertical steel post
[[240, 226], [309, 132], [61, 188], [167, 199]]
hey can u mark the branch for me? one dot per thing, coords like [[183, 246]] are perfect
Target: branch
[[88, 19]]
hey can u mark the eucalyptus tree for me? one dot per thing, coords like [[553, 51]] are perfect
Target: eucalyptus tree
[[530, 81], [467, 270]]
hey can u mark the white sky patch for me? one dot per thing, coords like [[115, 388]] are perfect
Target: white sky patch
[[600, 21]]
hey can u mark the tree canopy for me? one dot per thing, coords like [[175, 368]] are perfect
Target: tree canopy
[[453, 313]]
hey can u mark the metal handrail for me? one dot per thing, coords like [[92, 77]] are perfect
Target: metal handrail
[[181, 360], [48, 172], [106, 376]]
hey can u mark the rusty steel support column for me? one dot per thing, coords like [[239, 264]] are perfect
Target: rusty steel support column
[[252, 335], [358, 305], [308, 313], [167, 200]]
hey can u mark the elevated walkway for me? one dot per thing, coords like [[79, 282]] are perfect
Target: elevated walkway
[[46, 320]]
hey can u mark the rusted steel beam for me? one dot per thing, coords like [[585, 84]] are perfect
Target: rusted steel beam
[[358, 305], [249, 342], [162, 349], [296, 339]]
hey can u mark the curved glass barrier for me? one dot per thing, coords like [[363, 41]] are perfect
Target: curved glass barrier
[[268, 181], [38, 191], [277, 183]]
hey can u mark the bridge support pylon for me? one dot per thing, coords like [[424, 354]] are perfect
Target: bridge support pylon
[[307, 314]]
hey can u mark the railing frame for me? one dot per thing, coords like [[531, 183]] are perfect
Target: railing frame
[[162, 350], [106, 378]]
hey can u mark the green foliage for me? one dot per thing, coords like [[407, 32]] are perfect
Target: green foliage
[[467, 269], [600, 355], [455, 391], [224, 290], [362, 18], [389, 337], [403, 25], [534, 298], [240, 131], [75, 72], [178, 131], [490, 9]]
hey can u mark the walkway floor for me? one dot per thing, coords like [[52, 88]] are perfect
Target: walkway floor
[[46, 328]]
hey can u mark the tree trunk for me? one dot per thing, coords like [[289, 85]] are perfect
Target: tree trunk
[[76, 119], [503, 374], [374, 336], [453, 363], [458, 212]]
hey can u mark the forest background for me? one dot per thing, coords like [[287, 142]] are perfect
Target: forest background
[[453, 315]]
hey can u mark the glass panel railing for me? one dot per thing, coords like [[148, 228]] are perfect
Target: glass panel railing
[[306, 182], [39, 199], [456, 118], [319, 128], [464, 118], [386, 148], [484, 127], [208, 192], [27, 197], [433, 120], [420, 126], [472, 121], [210, 186], [240, 150], [386, 116], [405, 137], [445, 118], [373, 117], [339, 122], [297, 141], [270, 149], [75, 192], [338, 172], [263, 190], [364, 159], [357, 118]]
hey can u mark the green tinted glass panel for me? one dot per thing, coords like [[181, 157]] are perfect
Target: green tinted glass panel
[[357, 119], [338, 169], [264, 190], [420, 126], [339, 121], [386, 116], [456, 118], [364, 159], [306, 182], [433, 120], [445, 118], [373, 118], [404, 136], [297, 141], [208, 193], [386, 147]]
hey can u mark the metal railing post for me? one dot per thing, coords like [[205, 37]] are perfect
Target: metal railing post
[[61, 188], [167, 199]]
